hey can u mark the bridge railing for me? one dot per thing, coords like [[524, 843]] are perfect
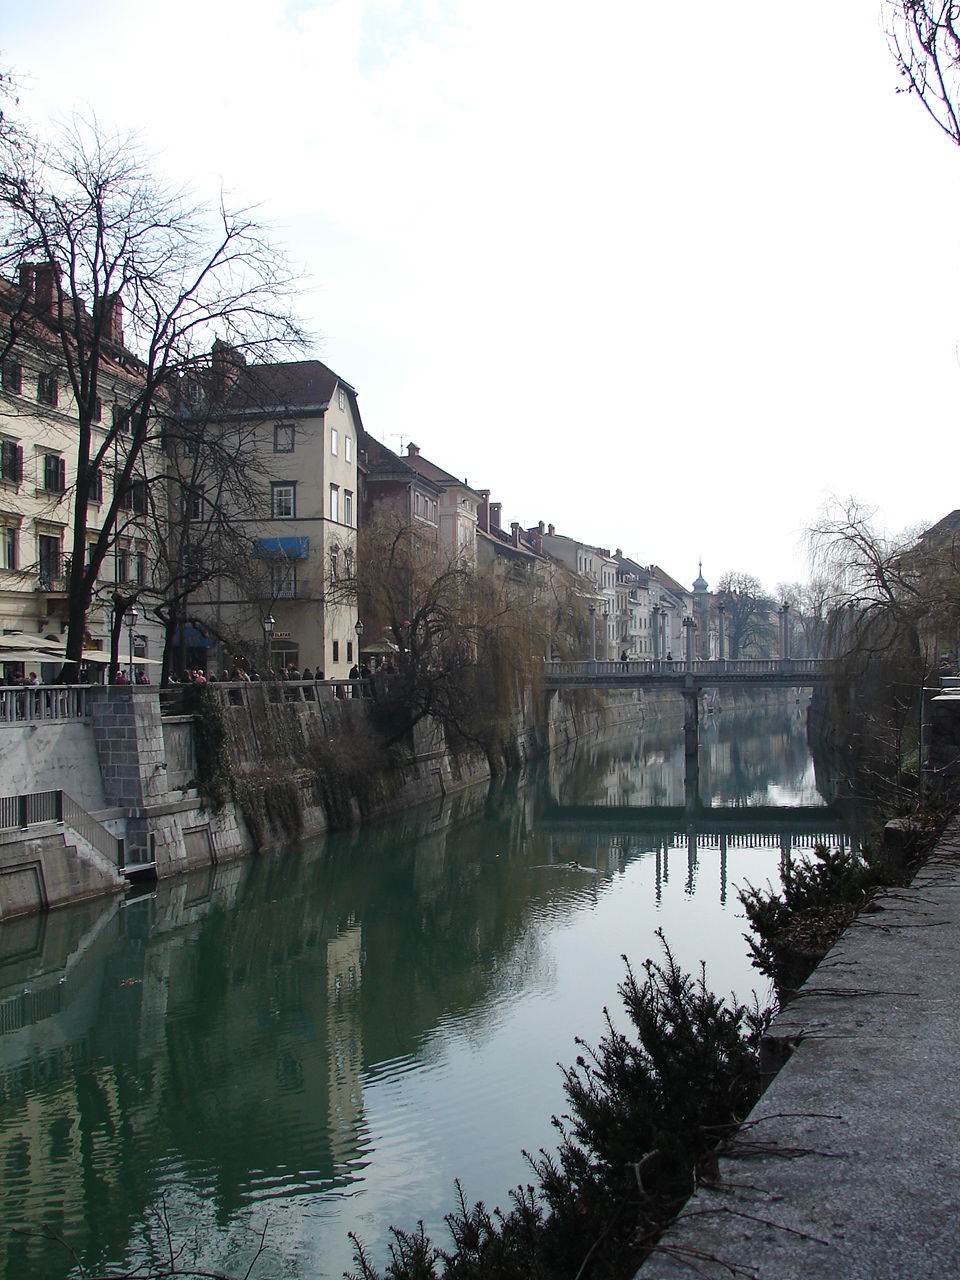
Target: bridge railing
[[700, 667]]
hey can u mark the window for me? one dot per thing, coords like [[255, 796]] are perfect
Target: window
[[334, 502], [11, 375], [336, 650], [122, 567], [193, 503], [96, 487], [53, 475], [348, 448], [120, 418], [98, 410], [284, 436], [48, 554], [47, 390], [283, 500], [193, 557], [283, 580], [417, 504], [334, 564], [347, 507], [91, 553], [11, 461], [349, 650], [9, 547], [334, 441], [140, 568], [341, 398], [348, 562]]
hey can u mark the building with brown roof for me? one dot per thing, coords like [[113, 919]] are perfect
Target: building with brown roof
[[291, 601]]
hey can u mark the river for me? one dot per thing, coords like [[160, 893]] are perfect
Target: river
[[322, 1040]]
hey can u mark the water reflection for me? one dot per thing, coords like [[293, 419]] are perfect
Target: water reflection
[[327, 1038]]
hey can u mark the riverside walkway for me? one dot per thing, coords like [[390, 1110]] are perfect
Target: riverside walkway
[[849, 1166]]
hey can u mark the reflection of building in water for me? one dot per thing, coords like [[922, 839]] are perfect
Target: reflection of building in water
[[345, 1034]]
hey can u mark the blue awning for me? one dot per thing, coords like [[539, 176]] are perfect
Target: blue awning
[[195, 638], [282, 548]]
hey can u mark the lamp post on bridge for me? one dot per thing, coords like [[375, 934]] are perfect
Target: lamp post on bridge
[[656, 613], [721, 629], [592, 610]]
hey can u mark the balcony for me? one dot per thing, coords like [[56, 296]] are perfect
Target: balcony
[[51, 584]]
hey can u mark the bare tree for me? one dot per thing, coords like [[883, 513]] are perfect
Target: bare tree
[[138, 281], [747, 612], [463, 643], [924, 37], [895, 619]]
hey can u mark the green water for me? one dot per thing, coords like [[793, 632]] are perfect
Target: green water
[[321, 1041]]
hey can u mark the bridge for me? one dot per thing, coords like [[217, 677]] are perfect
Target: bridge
[[689, 676]]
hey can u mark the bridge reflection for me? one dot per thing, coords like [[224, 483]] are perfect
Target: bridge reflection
[[605, 837]]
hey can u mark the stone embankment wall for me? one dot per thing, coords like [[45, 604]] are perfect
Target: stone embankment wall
[[300, 762]]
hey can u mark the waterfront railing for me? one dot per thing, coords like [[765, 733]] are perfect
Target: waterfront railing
[[36, 807], [25, 704]]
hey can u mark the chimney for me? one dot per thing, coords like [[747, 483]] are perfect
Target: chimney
[[618, 553], [225, 365], [113, 312], [540, 528], [45, 284], [483, 510], [41, 280], [550, 529], [495, 509], [412, 450], [515, 532]]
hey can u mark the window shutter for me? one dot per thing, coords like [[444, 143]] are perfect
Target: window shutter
[[61, 474], [18, 462]]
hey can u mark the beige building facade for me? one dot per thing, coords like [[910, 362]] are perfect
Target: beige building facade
[[292, 602], [38, 461]]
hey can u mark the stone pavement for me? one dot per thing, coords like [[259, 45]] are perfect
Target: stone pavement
[[849, 1166]]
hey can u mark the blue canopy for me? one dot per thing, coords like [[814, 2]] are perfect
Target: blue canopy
[[282, 548]]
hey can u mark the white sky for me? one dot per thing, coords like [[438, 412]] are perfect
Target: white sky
[[666, 276]]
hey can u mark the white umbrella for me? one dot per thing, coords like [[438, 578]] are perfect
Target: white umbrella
[[28, 655]]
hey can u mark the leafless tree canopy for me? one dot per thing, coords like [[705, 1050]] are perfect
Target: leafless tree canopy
[[747, 611], [924, 37], [181, 275]]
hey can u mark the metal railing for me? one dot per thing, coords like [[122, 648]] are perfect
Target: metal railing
[[700, 667], [26, 704], [21, 811]]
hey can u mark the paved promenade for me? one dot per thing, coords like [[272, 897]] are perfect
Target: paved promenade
[[849, 1168]]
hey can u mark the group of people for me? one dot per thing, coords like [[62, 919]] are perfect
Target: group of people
[[120, 676]]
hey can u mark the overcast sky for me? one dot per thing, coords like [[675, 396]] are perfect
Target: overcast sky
[[667, 276]]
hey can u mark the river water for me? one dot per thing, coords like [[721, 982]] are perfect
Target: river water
[[321, 1041]]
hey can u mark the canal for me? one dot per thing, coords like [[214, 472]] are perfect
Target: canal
[[322, 1040]]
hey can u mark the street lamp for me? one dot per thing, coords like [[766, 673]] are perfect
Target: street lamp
[[268, 624], [592, 610], [133, 617]]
